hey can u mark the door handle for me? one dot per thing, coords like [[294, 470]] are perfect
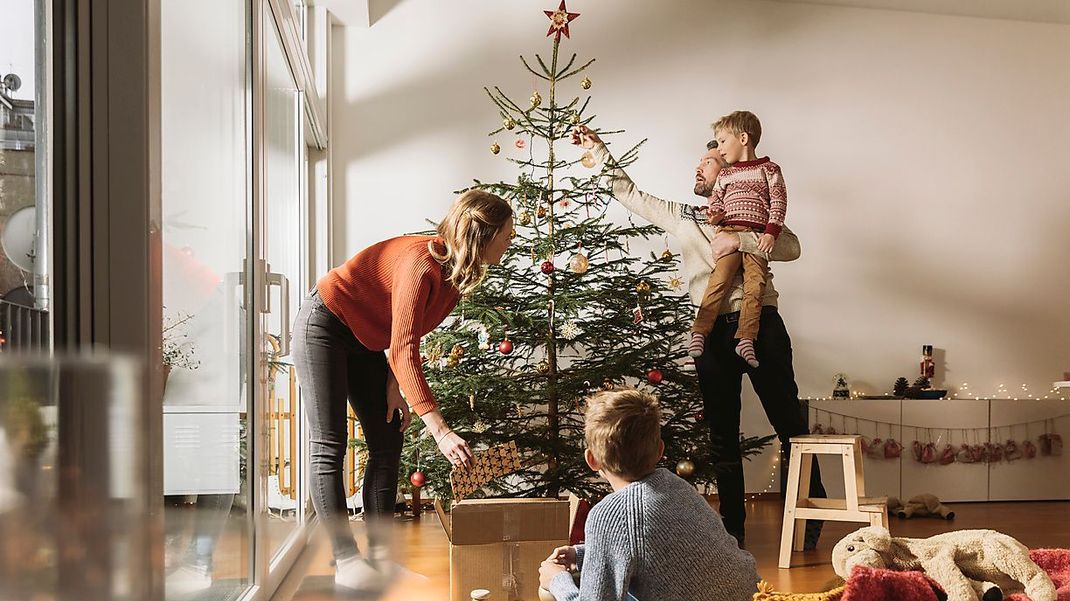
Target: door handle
[[280, 280]]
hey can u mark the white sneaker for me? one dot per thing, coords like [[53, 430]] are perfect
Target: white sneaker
[[394, 572], [187, 581], [357, 574]]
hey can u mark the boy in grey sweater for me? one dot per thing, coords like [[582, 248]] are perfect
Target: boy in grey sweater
[[655, 537]]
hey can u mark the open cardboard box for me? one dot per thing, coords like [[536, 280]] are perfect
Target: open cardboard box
[[498, 544]]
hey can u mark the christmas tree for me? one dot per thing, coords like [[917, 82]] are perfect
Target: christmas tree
[[568, 312]]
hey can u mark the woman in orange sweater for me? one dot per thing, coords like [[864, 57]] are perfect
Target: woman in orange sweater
[[385, 297]]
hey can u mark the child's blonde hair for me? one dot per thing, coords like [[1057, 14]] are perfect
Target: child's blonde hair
[[623, 431], [741, 122]]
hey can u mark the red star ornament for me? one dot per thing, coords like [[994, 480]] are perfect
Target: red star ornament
[[559, 20]]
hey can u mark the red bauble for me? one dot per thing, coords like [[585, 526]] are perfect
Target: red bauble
[[700, 416], [547, 267], [505, 347], [418, 479], [654, 376]]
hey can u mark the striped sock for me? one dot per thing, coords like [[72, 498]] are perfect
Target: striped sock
[[697, 344], [745, 349]]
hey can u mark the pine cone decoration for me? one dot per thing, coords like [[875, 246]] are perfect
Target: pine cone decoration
[[900, 387]]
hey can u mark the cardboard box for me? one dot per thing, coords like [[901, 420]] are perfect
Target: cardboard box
[[498, 544]]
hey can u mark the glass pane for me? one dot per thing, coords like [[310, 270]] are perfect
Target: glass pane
[[283, 147], [24, 197], [206, 176], [72, 501]]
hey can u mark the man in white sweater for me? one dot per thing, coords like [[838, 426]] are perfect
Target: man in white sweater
[[720, 372]]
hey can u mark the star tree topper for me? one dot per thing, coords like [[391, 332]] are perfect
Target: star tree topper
[[559, 20]]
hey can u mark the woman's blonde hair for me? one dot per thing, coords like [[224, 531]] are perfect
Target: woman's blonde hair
[[473, 221]]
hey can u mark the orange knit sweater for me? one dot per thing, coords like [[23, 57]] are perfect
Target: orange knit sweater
[[391, 294]]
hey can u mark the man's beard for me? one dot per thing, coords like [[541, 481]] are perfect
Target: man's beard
[[703, 189]]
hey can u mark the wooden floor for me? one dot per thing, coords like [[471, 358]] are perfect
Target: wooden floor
[[424, 547]]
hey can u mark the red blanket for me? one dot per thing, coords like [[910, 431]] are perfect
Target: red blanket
[[869, 584]]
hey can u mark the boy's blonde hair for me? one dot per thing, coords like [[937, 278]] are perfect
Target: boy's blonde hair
[[741, 122], [623, 430]]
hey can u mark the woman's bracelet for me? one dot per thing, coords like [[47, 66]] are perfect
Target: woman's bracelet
[[448, 432]]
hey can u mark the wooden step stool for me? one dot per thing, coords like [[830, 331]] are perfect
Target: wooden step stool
[[799, 507]]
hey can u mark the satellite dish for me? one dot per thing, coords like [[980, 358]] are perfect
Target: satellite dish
[[17, 237], [12, 82]]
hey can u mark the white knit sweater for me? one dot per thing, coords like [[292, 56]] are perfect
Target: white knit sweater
[[688, 224]]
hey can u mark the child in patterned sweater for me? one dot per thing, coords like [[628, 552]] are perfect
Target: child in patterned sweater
[[749, 195]]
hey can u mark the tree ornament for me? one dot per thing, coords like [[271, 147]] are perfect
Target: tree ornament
[[540, 212], [642, 287], [675, 283], [452, 361], [579, 263], [588, 160], [586, 83], [574, 118], [505, 347], [495, 149], [520, 143], [418, 479], [543, 367], [559, 20], [608, 385], [457, 351], [536, 99], [569, 331], [509, 123], [525, 218], [654, 376], [547, 267], [666, 255], [564, 203], [700, 416], [637, 314], [685, 468]]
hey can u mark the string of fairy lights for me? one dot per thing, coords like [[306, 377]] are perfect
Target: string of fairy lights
[[964, 392]]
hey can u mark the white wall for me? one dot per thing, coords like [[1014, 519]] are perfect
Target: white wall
[[925, 158]]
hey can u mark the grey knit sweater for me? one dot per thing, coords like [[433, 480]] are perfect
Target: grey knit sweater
[[659, 540]]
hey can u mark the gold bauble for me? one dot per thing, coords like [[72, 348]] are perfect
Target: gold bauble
[[512, 234], [666, 255], [452, 361], [642, 287], [574, 118], [685, 469], [586, 83], [536, 99], [588, 160], [525, 217], [495, 149], [543, 367], [509, 124], [579, 263], [457, 351]]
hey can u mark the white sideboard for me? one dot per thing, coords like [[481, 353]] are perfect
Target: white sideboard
[[951, 421]]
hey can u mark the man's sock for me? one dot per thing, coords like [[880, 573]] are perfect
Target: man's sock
[[698, 343], [745, 349]]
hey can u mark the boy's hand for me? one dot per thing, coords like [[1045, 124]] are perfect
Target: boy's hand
[[766, 242], [583, 136], [564, 556], [548, 571], [714, 217]]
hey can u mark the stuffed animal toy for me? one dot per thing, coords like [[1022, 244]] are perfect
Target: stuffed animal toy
[[947, 455], [920, 506], [957, 561], [892, 449], [876, 448], [1029, 449], [965, 454]]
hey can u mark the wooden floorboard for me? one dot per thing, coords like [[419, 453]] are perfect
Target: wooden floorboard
[[423, 547]]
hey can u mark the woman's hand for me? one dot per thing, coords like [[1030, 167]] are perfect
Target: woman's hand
[[547, 572], [583, 136], [455, 449], [396, 402], [452, 446]]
